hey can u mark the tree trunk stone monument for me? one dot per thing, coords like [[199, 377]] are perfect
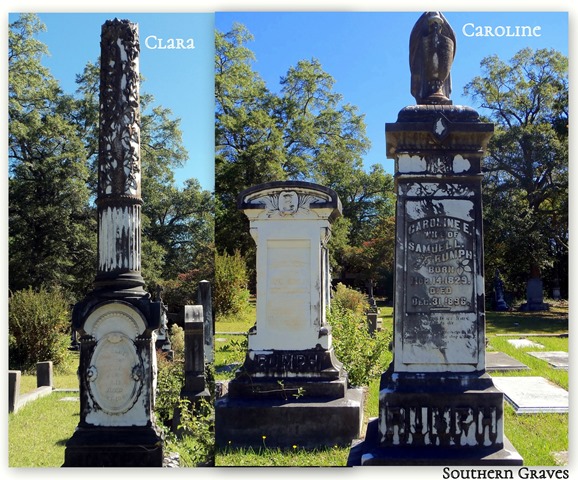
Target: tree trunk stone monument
[[437, 405], [117, 320], [291, 390]]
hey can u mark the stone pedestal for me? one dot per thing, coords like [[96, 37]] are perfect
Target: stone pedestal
[[437, 406], [115, 323], [290, 381]]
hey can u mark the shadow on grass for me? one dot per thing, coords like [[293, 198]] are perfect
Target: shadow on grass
[[554, 322]]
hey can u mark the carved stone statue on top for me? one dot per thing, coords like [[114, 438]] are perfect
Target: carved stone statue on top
[[432, 47]]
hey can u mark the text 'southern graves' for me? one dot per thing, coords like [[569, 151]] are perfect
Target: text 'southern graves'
[[437, 406], [291, 389], [115, 322]]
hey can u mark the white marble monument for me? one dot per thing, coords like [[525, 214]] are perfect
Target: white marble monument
[[291, 388]]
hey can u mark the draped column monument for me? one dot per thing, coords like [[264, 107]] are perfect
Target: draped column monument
[[115, 322]]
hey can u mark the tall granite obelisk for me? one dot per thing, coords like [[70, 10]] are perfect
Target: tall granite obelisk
[[437, 405], [116, 321]]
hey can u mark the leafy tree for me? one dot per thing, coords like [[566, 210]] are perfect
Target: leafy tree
[[51, 229], [526, 192], [53, 163], [303, 132]]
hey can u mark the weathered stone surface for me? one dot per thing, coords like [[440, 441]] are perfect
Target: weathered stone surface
[[14, 379], [291, 389], [432, 47], [558, 360], [534, 296], [533, 394], [204, 299], [500, 362], [195, 383], [305, 422], [524, 343], [44, 374], [115, 322], [437, 405], [369, 453]]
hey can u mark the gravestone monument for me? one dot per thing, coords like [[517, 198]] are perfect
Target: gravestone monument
[[499, 303], [437, 405], [116, 321], [534, 294], [205, 300], [291, 389], [195, 387]]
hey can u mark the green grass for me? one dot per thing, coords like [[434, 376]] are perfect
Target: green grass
[[554, 321], [39, 431], [64, 377], [536, 436], [274, 457]]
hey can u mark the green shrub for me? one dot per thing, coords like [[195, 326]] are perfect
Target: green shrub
[[170, 381], [39, 329], [177, 339], [230, 295], [349, 299], [195, 437]]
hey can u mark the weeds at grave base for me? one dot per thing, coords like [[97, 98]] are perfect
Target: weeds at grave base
[[194, 439], [294, 456]]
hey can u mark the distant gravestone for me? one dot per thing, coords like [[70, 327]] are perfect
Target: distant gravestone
[[205, 300], [501, 362], [291, 389], [14, 379], [499, 302], [437, 406], [195, 386], [534, 295]]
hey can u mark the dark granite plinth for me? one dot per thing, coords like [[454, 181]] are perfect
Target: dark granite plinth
[[305, 422], [286, 388], [369, 453], [114, 447]]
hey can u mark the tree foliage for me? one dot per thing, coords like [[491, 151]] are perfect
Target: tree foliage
[[526, 190], [51, 226], [303, 131], [53, 151]]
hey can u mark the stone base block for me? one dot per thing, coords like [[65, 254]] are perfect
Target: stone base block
[[368, 452], [287, 388], [114, 447], [305, 422]]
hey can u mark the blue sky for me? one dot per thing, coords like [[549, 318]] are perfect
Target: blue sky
[[368, 54]]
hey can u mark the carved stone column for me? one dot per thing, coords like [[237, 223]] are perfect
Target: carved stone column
[[116, 321]]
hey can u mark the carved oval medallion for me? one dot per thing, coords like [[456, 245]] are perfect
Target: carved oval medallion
[[115, 373]]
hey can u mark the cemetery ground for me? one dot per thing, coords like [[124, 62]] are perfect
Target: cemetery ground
[[538, 437]]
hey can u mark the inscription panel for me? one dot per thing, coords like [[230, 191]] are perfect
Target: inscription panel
[[440, 277], [288, 284], [115, 373]]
